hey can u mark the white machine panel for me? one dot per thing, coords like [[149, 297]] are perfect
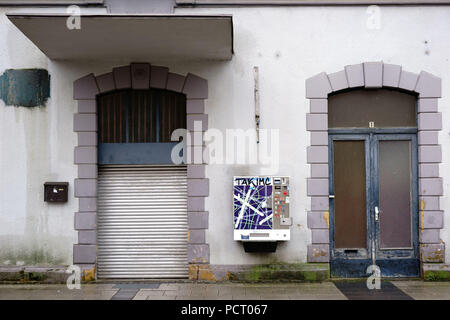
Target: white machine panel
[[261, 208]]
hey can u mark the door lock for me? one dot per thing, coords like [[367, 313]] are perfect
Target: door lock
[[377, 213]]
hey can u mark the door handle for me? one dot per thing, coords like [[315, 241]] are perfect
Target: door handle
[[377, 213]]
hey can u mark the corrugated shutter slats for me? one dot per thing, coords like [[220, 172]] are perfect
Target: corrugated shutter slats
[[142, 222]]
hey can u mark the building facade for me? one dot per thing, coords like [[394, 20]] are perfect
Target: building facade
[[350, 102]]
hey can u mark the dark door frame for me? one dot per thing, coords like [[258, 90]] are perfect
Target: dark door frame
[[353, 263]]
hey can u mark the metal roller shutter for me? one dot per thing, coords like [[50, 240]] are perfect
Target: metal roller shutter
[[142, 222]]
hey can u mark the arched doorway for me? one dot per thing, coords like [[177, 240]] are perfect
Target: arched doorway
[[125, 144], [142, 197], [372, 138], [363, 132]]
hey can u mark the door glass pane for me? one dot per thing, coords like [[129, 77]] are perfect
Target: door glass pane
[[382, 107], [350, 194], [394, 163]]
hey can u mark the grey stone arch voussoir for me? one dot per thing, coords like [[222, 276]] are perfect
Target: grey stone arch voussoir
[[376, 75], [134, 76]]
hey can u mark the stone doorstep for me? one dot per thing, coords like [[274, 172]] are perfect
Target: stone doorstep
[[436, 272], [308, 272], [33, 274]]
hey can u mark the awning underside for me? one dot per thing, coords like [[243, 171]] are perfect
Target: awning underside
[[138, 37]]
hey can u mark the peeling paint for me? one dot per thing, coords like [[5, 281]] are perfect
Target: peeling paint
[[435, 256], [89, 274], [432, 253], [205, 273], [326, 217], [193, 272], [319, 253], [199, 260], [422, 207]]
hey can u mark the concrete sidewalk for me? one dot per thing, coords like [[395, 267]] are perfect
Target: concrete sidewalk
[[339, 290]]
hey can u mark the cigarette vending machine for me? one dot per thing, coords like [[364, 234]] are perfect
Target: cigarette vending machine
[[261, 211]]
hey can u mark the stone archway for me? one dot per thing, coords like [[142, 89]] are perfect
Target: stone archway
[[134, 76], [376, 75]]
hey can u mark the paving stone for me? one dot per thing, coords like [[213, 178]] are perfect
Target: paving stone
[[174, 293], [137, 286], [160, 298], [151, 292], [186, 298], [223, 297], [212, 291], [169, 286], [242, 297], [125, 294], [275, 297], [198, 295], [140, 296]]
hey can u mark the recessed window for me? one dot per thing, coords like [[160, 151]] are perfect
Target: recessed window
[[136, 126], [140, 116], [376, 108]]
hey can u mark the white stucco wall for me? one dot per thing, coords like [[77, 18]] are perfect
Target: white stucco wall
[[288, 44], [36, 145]]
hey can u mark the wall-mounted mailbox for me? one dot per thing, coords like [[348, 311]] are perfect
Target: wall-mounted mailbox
[[56, 191]]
